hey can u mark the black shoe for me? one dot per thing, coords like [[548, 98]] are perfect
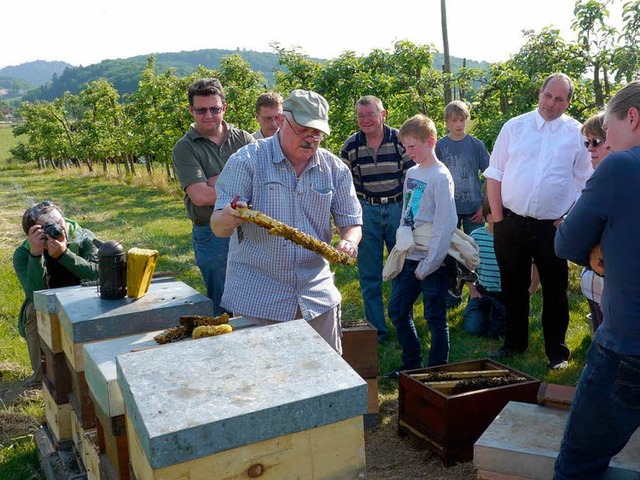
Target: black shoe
[[395, 374], [558, 365], [503, 352]]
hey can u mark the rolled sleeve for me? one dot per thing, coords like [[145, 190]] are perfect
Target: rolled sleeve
[[347, 210], [499, 155]]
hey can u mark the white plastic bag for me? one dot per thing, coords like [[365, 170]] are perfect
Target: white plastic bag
[[404, 239]]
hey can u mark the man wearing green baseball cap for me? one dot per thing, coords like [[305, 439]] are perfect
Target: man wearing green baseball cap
[[290, 178]]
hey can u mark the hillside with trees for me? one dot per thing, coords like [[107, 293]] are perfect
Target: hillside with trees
[[17, 80], [102, 124], [124, 74]]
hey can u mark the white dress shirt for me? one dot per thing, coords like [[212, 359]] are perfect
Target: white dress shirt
[[542, 166]]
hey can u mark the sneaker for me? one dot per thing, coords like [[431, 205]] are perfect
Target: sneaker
[[558, 365], [456, 290], [393, 375], [471, 277]]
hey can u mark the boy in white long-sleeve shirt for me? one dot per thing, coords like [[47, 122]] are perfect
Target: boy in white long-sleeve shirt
[[428, 196]]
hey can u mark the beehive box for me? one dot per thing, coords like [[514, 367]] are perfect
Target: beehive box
[[58, 416], [44, 301], [360, 350], [55, 373], [451, 423], [99, 360], [523, 442], [85, 317], [360, 347], [71, 317], [274, 399]]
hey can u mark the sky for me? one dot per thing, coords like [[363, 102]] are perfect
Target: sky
[[84, 32]]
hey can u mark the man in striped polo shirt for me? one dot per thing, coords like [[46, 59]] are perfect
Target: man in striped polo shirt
[[378, 164]]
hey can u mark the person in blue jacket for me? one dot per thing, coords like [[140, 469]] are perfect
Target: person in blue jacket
[[605, 411]]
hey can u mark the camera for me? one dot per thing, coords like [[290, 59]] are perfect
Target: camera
[[53, 230]]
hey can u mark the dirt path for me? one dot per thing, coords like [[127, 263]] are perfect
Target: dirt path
[[392, 457]]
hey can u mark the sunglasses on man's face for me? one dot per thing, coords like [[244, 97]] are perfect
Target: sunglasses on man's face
[[204, 110], [594, 142]]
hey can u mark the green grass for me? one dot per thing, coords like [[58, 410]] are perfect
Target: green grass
[[147, 213], [7, 140]]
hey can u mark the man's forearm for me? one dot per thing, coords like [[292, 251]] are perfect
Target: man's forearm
[[494, 194]]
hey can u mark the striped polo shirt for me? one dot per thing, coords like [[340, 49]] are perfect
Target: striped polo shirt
[[378, 174], [488, 272]]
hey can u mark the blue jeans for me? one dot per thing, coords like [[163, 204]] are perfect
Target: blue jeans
[[211, 258], [604, 414], [380, 223], [466, 225], [405, 289], [485, 315]]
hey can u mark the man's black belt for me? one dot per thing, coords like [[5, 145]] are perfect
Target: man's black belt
[[509, 213], [381, 200]]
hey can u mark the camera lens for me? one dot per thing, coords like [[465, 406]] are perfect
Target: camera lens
[[53, 230]]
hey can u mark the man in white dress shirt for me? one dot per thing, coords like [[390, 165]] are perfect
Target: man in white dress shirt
[[537, 170]]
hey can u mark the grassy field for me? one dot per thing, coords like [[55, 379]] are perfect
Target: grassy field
[[148, 213]]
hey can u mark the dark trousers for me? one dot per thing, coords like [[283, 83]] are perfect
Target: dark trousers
[[518, 240]]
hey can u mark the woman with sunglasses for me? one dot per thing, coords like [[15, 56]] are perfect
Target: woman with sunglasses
[[590, 281], [596, 136]]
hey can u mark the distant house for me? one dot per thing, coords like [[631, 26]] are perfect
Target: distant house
[[6, 116]]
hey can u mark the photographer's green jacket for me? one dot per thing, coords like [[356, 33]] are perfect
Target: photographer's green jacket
[[79, 262]]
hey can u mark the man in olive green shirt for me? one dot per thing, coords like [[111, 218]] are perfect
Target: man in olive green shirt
[[198, 159]]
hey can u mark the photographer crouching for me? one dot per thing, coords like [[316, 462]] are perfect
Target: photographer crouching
[[57, 253]]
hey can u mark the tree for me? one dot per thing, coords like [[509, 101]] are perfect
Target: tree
[[102, 133], [242, 86], [158, 115], [511, 88], [626, 57], [299, 70], [596, 42]]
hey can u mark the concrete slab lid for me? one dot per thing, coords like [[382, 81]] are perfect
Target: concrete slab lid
[[524, 440], [100, 368], [100, 365], [85, 316], [45, 300], [193, 399]]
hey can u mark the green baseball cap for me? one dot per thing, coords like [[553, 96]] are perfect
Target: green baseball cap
[[309, 109]]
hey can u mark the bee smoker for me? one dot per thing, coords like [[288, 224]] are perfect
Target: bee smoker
[[112, 267]]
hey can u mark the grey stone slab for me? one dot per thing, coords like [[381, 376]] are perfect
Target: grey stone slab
[[99, 360], [86, 317], [45, 300], [100, 368], [524, 440], [193, 399]]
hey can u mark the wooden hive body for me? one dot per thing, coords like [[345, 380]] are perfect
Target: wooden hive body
[[265, 390], [452, 423]]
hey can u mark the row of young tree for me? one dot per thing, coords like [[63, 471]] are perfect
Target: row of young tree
[[98, 125]]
